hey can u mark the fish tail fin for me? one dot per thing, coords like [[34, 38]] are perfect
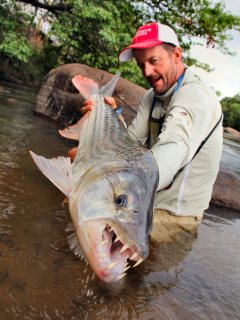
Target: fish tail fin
[[57, 170], [108, 88], [87, 87]]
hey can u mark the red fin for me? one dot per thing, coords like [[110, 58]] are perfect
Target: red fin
[[87, 87]]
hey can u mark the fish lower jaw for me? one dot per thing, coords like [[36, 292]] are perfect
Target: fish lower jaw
[[113, 257]]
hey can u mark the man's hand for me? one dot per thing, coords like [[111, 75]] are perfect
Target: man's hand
[[88, 105], [111, 102]]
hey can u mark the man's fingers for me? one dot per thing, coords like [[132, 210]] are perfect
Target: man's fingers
[[111, 101], [87, 103], [72, 153], [87, 108]]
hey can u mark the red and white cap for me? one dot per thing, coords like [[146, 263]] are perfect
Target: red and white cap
[[148, 36]]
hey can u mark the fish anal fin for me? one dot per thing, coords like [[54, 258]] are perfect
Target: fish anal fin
[[74, 132], [87, 87], [57, 170]]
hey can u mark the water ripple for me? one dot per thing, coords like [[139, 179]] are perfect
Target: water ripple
[[40, 278]]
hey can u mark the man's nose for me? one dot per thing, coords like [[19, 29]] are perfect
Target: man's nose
[[147, 70]]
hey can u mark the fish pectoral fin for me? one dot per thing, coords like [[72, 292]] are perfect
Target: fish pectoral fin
[[57, 170], [87, 87], [74, 242]]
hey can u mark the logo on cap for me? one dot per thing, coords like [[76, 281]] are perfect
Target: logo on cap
[[143, 32]]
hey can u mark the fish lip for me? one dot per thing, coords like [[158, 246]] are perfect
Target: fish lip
[[121, 233], [108, 257]]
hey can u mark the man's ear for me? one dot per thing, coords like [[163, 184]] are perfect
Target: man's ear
[[177, 54]]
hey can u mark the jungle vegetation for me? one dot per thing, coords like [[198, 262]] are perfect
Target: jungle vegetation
[[231, 111], [38, 35]]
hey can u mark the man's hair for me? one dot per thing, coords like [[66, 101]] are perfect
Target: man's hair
[[168, 46]]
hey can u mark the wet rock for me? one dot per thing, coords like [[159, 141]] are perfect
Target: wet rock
[[60, 100], [226, 189], [231, 131]]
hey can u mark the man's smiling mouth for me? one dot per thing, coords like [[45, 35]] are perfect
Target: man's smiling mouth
[[153, 80]]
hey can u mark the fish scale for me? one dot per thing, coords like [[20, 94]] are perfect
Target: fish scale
[[103, 135]]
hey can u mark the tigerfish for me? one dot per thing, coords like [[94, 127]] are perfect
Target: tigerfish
[[110, 185]]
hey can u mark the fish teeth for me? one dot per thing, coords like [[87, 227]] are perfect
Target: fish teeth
[[125, 247], [135, 255], [121, 276], [117, 238], [126, 268], [138, 262], [103, 242], [111, 265]]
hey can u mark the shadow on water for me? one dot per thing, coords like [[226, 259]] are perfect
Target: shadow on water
[[197, 277]]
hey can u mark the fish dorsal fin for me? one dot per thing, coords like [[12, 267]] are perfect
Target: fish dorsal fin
[[87, 87], [57, 170], [108, 88], [74, 242]]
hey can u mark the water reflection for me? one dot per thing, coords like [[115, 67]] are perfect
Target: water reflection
[[196, 277]]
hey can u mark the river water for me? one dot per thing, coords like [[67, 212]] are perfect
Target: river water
[[40, 278]]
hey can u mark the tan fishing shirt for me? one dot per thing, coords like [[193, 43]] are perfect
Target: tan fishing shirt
[[191, 112]]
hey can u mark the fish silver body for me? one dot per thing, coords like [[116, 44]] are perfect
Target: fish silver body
[[111, 187]]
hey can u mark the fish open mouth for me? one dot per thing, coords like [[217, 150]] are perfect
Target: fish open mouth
[[112, 252]]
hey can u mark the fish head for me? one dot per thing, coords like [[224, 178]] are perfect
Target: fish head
[[112, 210]]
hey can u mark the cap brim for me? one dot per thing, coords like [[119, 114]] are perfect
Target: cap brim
[[127, 53]]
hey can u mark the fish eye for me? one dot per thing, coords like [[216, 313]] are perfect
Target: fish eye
[[121, 201]]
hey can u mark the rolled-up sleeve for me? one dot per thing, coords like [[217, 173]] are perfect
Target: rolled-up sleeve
[[185, 127], [171, 147]]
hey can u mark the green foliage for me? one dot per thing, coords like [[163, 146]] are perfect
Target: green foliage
[[15, 47], [14, 26], [94, 31], [231, 110]]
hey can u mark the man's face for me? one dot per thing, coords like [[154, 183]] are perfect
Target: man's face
[[159, 66]]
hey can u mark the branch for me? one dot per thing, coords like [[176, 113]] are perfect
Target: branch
[[47, 7]]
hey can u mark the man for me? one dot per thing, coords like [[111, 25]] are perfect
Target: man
[[175, 117]]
